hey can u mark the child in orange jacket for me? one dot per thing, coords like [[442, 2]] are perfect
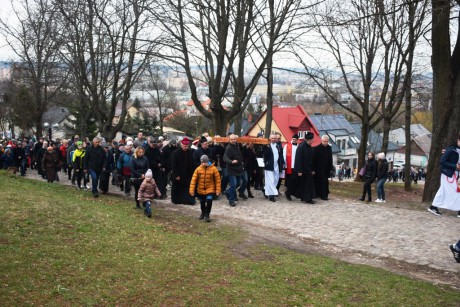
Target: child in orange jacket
[[205, 185]]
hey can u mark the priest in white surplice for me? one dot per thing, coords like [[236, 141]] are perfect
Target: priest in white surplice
[[274, 163]]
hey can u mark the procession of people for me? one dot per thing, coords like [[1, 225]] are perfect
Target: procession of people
[[203, 169]]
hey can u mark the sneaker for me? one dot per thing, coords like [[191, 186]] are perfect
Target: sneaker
[[383, 201], [434, 210], [242, 196], [378, 200], [455, 252], [201, 216], [232, 204], [458, 215]]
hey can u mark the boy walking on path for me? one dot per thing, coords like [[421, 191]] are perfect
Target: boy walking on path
[[205, 185]]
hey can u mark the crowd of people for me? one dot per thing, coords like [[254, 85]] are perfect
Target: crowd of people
[[203, 169]]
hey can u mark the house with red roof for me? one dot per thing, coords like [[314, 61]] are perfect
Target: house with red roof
[[287, 121]]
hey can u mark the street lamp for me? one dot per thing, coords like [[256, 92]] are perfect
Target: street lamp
[[48, 127]]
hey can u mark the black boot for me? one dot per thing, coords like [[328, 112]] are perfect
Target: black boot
[[203, 210], [250, 194], [208, 211]]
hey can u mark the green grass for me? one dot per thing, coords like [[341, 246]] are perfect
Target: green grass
[[59, 246]]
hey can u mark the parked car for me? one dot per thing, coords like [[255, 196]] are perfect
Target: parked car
[[398, 166]]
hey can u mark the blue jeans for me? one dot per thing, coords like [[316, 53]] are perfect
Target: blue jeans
[[148, 207], [234, 182], [244, 182], [22, 166], [94, 181], [380, 189]]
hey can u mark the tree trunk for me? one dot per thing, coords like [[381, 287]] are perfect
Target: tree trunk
[[268, 123], [362, 150], [386, 133], [238, 123], [220, 123], [442, 94], [407, 149]]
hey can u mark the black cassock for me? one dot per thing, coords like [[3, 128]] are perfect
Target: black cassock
[[322, 166], [182, 166], [303, 185]]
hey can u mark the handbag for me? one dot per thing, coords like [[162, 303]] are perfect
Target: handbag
[[454, 178], [362, 171]]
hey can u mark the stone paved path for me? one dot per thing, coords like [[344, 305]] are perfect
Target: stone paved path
[[415, 237]]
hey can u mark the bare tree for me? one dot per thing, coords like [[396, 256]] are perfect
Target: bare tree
[[106, 52], [163, 98], [35, 39], [446, 89], [211, 41], [366, 42]]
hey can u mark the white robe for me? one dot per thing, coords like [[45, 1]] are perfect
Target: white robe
[[272, 177], [447, 196]]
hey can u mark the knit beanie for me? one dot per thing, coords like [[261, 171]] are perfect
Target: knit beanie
[[204, 158], [148, 174]]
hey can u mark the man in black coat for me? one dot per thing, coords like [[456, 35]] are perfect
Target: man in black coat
[[94, 164], [202, 150], [322, 166], [235, 168], [304, 188], [153, 155], [182, 172]]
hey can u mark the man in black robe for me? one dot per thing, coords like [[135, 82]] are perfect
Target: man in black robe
[[322, 166], [153, 154], [182, 171], [303, 186]]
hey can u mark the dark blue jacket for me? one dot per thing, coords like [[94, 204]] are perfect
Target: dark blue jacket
[[449, 161]]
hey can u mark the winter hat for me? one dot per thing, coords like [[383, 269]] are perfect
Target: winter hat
[[381, 156], [309, 135], [148, 174], [79, 143], [203, 140], [295, 136], [204, 158], [185, 141], [129, 143]]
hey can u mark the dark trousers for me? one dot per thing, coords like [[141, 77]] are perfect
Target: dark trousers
[[206, 204], [367, 189]]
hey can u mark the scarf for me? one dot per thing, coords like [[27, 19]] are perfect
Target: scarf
[[289, 158]]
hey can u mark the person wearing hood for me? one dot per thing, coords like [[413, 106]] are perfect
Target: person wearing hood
[[382, 173], [205, 185], [50, 163], [448, 195]]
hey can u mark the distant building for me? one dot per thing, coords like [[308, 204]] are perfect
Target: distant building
[[58, 118], [375, 142], [342, 137], [398, 136], [420, 151], [287, 121]]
